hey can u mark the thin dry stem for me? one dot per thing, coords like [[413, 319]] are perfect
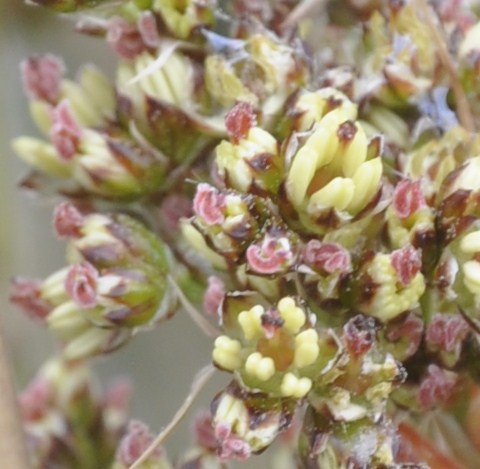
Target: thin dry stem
[[302, 11], [13, 453], [196, 316], [463, 109], [201, 379]]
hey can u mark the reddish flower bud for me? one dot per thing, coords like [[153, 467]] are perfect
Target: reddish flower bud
[[214, 294], [327, 257], [118, 395], [147, 27], [239, 120], [407, 198], [208, 204], [81, 284], [124, 38], [204, 431], [67, 220], [65, 132], [175, 207], [411, 329], [34, 400], [436, 387], [274, 255], [134, 444], [42, 76], [230, 445], [359, 334], [26, 294], [407, 263], [446, 331]]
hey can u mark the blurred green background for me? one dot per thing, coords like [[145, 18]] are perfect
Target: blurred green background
[[161, 363]]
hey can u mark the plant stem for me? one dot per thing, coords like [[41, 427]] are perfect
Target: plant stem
[[13, 453]]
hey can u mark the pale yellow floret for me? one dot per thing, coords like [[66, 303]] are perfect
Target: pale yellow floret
[[470, 243], [233, 411], [295, 387], [293, 316], [306, 348], [41, 113], [471, 272], [259, 366], [338, 193], [226, 353], [66, 321], [390, 299], [92, 341], [366, 181], [251, 323], [470, 41], [84, 110]]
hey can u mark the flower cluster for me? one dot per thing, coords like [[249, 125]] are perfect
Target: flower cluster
[[308, 179]]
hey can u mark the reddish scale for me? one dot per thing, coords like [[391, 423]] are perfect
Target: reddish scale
[[359, 335], [407, 198], [436, 387], [81, 283], [209, 204], [230, 446], [204, 431], [407, 263], [42, 77], [446, 331], [280, 348], [26, 294], [134, 444], [239, 120], [118, 395], [269, 258], [327, 257], [174, 208], [214, 295], [68, 220], [124, 37], [346, 131], [147, 27], [65, 132], [35, 400], [410, 330]]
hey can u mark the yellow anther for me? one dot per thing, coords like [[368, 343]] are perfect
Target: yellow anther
[[251, 323], [471, 271], [261, 367], [293, 316], [306, 348], [226, 353], [295, 387]]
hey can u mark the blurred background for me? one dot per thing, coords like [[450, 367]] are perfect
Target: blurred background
[[161, 363]]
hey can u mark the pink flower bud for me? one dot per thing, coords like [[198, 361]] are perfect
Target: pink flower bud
[[147, 27], [118, 395], [446, 331], [134, 444], [26, 294], [42, 77], [407, 263], [274, 255], [239, 120], [67, 220], [81, 283], [436, 387], [204, 431], [65, 132], [214, 294], [34, 400], [327, 257], [407, 198], [359, 334], [124, 38], [230, 445], [209, 204]]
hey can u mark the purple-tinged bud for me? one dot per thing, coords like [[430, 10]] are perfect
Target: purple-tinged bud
[[68, 221], [407, 263], [239, 120], [147, 27], [124, 38], [81, 284], [135, 442], [273, 255], [327, 257], [436, 387], [230, 445], [26, 294], [408, 198], [174, 208], [214, 295], [65, 132], [409, 332], [34, 401], [209, 204], [204, 431], [446, 331], [42, 76], [359, 335]]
